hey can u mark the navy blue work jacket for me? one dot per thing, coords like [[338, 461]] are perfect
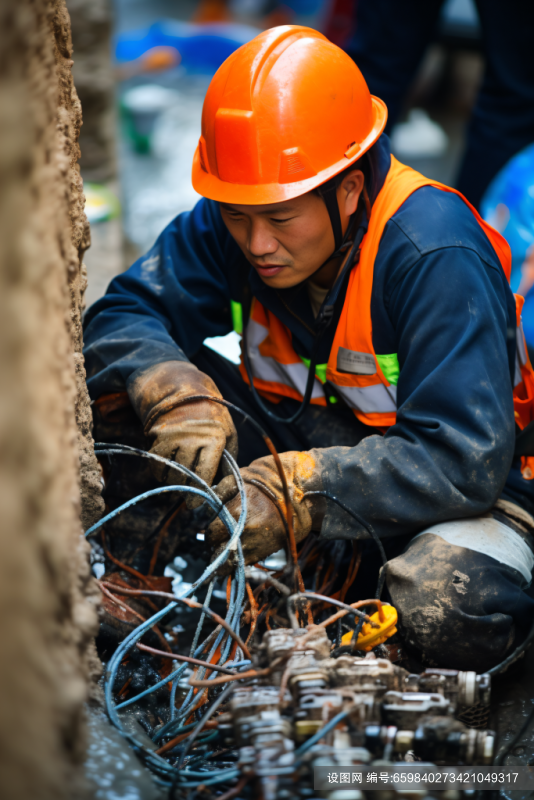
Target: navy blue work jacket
[[440, 301]]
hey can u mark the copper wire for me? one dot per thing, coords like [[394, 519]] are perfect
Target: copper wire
[[189, 659], [188, 602], [359, 604], [126, 607]]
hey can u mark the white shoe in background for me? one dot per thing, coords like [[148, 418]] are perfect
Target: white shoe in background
[[418, 137]]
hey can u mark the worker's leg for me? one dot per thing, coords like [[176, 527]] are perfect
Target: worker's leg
[[388, 45], [459, 589], [502, 121], [318, 427]]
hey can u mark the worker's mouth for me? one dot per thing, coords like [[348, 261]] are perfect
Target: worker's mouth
[[269, 270]]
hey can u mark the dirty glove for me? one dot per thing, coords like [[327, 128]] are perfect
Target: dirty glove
[[192, 434], [265, 532]]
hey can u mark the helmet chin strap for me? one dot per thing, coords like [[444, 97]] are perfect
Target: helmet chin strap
[[328, 192]]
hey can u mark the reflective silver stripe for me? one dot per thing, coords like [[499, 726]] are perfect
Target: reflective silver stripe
[[377, 399], [491, 537], [266, 368], [521, 354], [517, 372], [521, 348]]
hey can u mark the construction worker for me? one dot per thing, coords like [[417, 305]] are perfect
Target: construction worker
[[366, 289]]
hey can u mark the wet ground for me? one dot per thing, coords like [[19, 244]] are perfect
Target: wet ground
[[512, 700], [112, 768]]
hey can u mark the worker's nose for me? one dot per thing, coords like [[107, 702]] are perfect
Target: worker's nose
[[261, 241]]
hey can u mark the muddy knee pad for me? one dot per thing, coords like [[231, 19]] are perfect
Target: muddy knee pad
[[461, 607]]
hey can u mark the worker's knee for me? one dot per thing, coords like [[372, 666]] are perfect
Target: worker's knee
[[460, 607]]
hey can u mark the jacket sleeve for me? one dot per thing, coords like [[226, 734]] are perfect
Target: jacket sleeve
[[165, 305], [450, 451]]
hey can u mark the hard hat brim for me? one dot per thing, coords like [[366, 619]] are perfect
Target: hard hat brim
[[213, 188]]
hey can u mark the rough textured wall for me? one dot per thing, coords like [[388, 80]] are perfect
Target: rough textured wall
[[47, 597], [93, 78]]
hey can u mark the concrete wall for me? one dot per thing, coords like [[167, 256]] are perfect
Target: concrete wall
[[47, 597]]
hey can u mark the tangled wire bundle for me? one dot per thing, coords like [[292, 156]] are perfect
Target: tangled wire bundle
[[182, 761]]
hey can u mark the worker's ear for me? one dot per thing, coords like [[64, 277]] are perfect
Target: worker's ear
[[349, 191]]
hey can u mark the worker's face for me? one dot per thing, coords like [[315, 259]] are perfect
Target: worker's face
[[287, 242]]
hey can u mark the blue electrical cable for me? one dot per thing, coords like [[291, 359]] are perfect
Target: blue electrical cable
[[319, 735], [192, 774], [190, 704], [165, 774], [151, 493], [176, 674], [207, 601], [210, 781], [234, 612], [174, 687], [159, 765]]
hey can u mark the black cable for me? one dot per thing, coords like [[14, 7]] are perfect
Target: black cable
[[368, 528], [499, 758], [315, 596], [221, 401], [356, 632], [349, 649], [323, 321], [339, 633], [513, 656], [221, 698]]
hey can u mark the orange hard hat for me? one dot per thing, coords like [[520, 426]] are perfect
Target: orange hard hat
[[282, 115]]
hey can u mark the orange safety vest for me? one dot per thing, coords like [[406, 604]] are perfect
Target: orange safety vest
[[367, 382]]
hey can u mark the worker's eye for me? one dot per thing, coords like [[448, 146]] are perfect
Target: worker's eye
[[278, 219]]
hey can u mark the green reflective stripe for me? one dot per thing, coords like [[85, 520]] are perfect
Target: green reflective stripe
[[390, 367], [389, 364], [237, 316], [320, 369]]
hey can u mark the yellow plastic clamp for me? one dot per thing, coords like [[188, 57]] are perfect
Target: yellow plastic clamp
[[386, 617]]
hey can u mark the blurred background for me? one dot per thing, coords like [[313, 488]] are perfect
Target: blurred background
[[142, 67]]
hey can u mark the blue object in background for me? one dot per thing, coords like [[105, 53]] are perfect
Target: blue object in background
[[528, 320], [508, 205], [202, 48]]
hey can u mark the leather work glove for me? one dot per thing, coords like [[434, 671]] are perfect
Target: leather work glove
[[265, 532], [192, 434]]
